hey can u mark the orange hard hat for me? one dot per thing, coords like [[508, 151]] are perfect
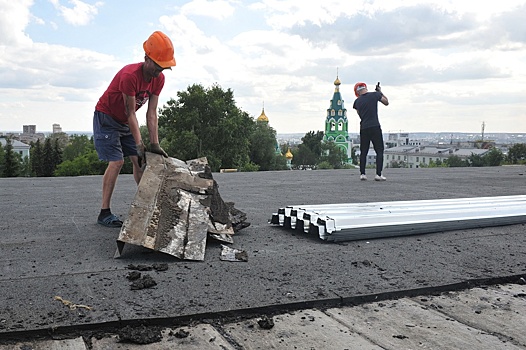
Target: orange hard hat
[[358, 87], [160, 49]]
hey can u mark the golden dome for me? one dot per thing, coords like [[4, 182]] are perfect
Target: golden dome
[[289, 155], [337, 82], [263, 117]]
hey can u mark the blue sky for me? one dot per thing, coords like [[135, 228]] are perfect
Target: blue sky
[[445, 65]]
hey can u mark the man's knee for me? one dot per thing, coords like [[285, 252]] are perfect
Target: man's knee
[[378, 147], [116, 164]]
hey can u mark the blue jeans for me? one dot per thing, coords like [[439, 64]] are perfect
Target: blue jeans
[[113, 140], [367, 136]]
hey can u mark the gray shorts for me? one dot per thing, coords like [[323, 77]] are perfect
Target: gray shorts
[[113, 140]]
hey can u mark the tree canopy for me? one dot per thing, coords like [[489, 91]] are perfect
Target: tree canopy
[[308, 152], [11, 161], [205, 122], [517, 153]]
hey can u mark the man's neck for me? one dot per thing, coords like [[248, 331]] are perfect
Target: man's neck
[[147, 78]]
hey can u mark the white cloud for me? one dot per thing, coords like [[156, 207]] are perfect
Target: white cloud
[[218, 9], [285, 14], [42, 83], [14, 17], [80, 14], [429, 46], [444, 64], [38, 20]]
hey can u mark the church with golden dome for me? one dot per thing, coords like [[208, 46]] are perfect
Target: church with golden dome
[[336, 123], [264, 119]]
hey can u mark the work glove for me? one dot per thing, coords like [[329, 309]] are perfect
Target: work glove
[[155, 148]]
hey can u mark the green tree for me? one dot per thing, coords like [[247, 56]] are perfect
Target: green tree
[[48, 159], [2, 160], [354, 156], [324, 165], [333, 155], [304, 157], [80, 158], [476, 160], [61, 137], [36, 155], [248, 167], [57, 152], [11, 166], [397, 164], [263, 146], [284, 147], [84, 164], [313, 140], [455, 162], [308, 153], [279, 162], [494, 157], [25, 167], [517, 153], [206, 123], [77, 146]]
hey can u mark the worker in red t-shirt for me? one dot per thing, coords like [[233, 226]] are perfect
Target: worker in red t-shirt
[[116, 131]]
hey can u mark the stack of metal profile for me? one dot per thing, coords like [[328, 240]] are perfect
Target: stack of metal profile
[[356, 221]]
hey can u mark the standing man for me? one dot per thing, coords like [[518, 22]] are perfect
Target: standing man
[[116, 132], [366, 105]]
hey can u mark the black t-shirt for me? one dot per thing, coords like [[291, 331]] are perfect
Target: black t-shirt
[[367, 107]]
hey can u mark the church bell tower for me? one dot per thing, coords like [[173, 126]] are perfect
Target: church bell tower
[[336, 123]]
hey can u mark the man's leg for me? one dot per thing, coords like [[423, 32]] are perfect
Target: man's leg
[[107, 140], [109, 180], [365, 141], [378, 144]]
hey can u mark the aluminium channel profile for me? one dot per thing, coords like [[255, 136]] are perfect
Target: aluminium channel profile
[[394, 208], [355, 221], [290, 216]]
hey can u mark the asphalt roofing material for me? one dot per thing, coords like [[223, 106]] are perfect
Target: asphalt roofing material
[[52, 250]]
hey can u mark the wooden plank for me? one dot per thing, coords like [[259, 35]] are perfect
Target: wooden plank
[[307, 329], [200, 337], [65, 344], [405, 324], [495, 309]]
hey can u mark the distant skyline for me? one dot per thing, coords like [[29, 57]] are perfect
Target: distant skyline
[[445, 65]]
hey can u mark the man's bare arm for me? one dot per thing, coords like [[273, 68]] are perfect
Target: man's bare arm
[[129, 105], [384, 100], [151, 119]]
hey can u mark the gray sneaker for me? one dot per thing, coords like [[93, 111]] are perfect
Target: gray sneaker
[[379, 178], [363, 177]]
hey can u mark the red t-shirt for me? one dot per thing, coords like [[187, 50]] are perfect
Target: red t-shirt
[[128, 80]]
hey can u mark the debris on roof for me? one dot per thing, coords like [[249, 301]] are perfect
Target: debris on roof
[[177, 207], [232, 254]]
